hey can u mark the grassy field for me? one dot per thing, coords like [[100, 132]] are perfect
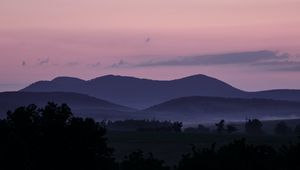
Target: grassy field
[[170, 146]]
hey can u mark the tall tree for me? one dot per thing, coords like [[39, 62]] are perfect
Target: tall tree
[[220, 126]]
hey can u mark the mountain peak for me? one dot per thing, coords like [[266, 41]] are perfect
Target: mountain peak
[[115, 77], [199, 77], [196, 76], [112, 76], [65, 78]]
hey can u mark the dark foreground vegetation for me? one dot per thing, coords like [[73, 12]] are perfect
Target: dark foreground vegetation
[[52, 138], [143, 125]]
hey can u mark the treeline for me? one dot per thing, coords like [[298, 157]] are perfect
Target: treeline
[[251, 127], [52, 138], [143, 125]]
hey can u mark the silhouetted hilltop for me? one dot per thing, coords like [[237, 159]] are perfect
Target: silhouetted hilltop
[[137, 92], [85, 105], [142, 93], [280, 94], [59, 84]]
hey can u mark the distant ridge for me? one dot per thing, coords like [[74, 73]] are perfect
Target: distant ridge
[[83, 105], [199, 107], [143, 93]]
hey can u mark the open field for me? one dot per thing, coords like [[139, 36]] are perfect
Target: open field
[[170, 146]]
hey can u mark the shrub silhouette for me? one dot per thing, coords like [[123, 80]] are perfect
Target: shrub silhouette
[[202, 128], [282, 129], [199, 159], [51, 138], [297, 129], [143, 125], [199, 129], [139, 161], [221, 127], [254, 127], [231, 129], [236, 155], [289, 157]]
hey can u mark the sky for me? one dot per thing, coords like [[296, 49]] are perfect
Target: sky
[[251, 44]]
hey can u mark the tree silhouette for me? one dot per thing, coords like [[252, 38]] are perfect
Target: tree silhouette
[[220, 126], [51, 138], [54, 115], [177, 126]]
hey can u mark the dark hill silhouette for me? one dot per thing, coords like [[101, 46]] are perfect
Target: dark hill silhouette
[[142, 93], [84, 105], [198, 107], [280, 94]]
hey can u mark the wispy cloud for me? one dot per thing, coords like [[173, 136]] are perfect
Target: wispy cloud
[[121, 63], [286, 65], [73, 63], [291, 68], [219, 59], [47, 62], [95, 65], [264, 59]]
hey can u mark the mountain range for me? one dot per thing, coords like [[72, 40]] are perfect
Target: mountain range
[[143, 93], [191, 99]]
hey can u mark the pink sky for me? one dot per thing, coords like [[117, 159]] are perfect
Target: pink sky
[[42, 39]]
